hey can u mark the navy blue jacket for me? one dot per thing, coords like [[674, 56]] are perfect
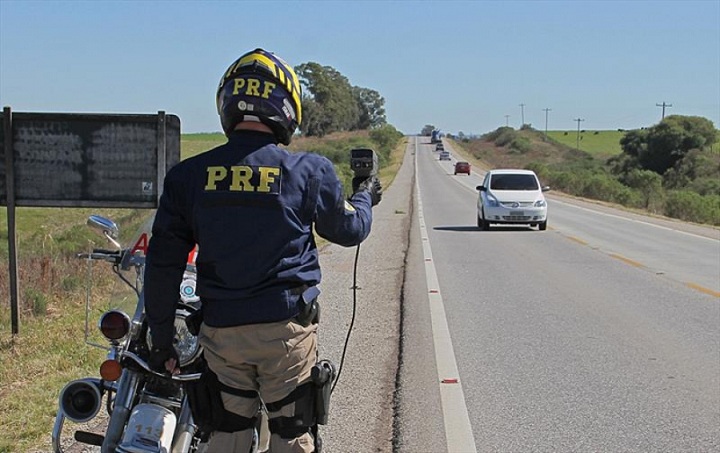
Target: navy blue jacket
[[251, 207]]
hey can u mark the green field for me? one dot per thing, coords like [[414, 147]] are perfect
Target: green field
[[598, 143], [192, 144]]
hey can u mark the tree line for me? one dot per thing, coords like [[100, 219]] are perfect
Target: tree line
[[675, 165], [332, 104]]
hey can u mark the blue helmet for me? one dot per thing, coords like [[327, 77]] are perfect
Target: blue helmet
[[260, 86]]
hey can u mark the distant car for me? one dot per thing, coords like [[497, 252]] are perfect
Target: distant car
[[439, 147], [444, 155], [462, 167], [510, 196]]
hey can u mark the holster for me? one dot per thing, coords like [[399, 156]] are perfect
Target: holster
[[193, 321], [323, 375], [309, 307]]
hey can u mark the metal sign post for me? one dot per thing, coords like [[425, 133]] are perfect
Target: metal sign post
[[12, 243]]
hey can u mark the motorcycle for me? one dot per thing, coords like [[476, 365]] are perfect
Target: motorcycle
[[147, 411]]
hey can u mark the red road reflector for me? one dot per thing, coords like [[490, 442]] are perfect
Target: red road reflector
[[450, 381]]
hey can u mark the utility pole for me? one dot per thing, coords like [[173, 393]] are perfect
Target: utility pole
[[506, 120], [663, 105], [522, 113], [546, 117], [578, 132]]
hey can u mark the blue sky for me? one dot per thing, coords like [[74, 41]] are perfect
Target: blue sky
[[459, 65]]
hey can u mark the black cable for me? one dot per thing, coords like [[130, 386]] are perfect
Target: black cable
[[352, 320]]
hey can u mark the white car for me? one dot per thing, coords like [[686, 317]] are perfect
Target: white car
[[511, 196], [444, 155]]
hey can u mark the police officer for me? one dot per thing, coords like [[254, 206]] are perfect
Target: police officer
[[251, 207]]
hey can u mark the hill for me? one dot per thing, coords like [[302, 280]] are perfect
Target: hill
[[598, 143], [507, 147]]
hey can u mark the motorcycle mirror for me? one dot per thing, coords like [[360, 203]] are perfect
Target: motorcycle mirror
[[106, 227]]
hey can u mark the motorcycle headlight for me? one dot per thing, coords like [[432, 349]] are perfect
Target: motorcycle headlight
[[186, 344]]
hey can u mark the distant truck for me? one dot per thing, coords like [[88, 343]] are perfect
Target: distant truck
[[435, 137]]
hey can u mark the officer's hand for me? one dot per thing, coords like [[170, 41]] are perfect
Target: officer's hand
[[371, 184], [164, 360]]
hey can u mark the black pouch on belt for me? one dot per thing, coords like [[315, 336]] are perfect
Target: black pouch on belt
[[205, 401], [207, 407], [309, 307]]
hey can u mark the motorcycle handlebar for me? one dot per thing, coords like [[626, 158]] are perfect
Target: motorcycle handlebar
[[178, 377], [113, 256], [107, 252], [116, 257]]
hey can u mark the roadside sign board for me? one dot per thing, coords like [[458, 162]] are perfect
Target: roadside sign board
[[81, 160], [88, 160]]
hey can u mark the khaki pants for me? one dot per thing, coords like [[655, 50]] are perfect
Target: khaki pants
[[272, 359]]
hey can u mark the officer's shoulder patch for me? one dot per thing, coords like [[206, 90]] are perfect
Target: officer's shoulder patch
[[349, 207]]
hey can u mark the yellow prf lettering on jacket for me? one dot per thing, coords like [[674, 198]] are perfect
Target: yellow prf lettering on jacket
[[252, 87], [267, 177], [215, 174], [241, 175], [243, 178]]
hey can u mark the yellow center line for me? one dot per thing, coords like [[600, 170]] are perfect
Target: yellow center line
[[626, 260], [694, 286], [702, 289], [578, 240]]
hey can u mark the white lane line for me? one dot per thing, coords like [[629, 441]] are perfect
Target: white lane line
[[458, 431]]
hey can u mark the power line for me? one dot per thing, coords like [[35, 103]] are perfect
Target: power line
[[522, 113], [578, 132], [663, 105]]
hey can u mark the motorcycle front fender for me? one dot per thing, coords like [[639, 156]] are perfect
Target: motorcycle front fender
[[124, 398]]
